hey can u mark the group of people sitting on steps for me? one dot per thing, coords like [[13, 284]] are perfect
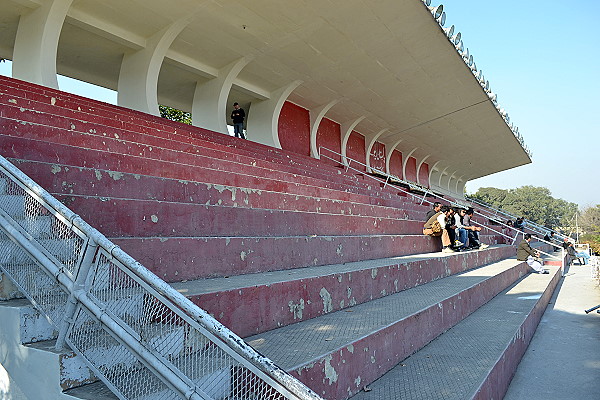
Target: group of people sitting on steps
[[453, 225]]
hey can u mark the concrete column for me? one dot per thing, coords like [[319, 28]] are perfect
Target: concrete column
[[388, 156], [446, 184], [369, 146], [138, 78], [209, 109], [36, 43], [434, 175], [263, 116], [405, 161], [316, 116], [346, 130], [442, 174], [460, 187], [419, 168]]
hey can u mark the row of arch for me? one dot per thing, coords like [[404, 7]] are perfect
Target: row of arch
[[35, 56]]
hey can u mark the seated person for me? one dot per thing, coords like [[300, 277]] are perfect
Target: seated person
[[436, 209], [437, 225], [461, 232], [520, 224], [526, 253], [573, 255], [472, 231]]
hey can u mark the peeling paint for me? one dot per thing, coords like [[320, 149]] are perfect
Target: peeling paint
[[55, 169], [326, 297], [115, 175], [339, 250], [154, 218], [98, 175], [357, 381], [296, 309], [374, 273], [330, 372], [350, 348], [349, 291], [243, 255]]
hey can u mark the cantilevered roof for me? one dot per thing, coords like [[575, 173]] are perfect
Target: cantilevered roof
[[388, 61]]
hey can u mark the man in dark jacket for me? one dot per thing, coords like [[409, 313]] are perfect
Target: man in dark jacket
[[526, 253], [238, 115]]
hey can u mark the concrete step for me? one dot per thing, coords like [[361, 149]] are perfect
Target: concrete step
[[79, 157], [123, 217], [72, 130], [66, 179], [39, 135], [255, 303], [36, 369], [181, 258], [26, 95], [339, 353], [476, 359], [46, 130]]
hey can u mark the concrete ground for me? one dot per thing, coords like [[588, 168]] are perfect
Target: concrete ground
[[563, 359]]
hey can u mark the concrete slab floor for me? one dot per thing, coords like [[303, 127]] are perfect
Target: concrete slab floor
[[563, 358]]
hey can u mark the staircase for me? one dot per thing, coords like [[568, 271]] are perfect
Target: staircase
[[323, 271]]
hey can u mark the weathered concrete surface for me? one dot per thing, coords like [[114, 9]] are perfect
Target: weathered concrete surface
[[563, 359]]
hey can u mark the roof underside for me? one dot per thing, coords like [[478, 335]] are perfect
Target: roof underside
[[386, 60]]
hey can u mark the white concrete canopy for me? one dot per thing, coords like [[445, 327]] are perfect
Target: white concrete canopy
[[387, 60]]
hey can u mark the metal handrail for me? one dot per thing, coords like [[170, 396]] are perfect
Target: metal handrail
[[422, 199], [98, 297], [540, 229]]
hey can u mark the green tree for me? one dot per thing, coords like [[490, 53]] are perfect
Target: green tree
[[590, 220], [175, 115], [534, 203]]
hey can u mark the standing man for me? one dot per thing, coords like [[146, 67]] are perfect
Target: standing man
[[526, 253], [238, 115]]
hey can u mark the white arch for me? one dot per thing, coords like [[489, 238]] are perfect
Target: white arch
[[316, 116], [419, 167], [36, 43], [209, 109], [264, 115], [372, 141], [442, 176], [346, 131], [138, 78], [388, 156], [431, 171]]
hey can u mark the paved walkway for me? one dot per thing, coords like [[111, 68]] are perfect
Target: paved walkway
[[563, 359]]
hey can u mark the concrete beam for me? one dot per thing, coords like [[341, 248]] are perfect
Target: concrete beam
[[36, 43], [388, 156], [138, 78], [369, 147], [346, 130], [264, 115], [316, 116], [209, 109]]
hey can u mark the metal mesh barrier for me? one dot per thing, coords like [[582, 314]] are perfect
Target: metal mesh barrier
[[139, 335]]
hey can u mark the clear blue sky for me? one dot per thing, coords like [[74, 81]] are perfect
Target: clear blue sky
[[543, 61]]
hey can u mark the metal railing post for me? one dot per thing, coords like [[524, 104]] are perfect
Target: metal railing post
[[78, 286]]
